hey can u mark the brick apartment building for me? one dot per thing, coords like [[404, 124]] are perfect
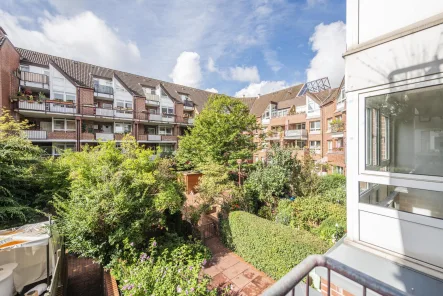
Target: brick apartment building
[[71, 104], [311, 119]]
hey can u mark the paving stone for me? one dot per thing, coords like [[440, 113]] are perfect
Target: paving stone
[[240, 281], [262, 282], [251, 290], [212, 271], [251, 273], [226, 261], [219, 280], [235, 270]]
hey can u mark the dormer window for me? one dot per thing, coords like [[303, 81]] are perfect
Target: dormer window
[[184, 97], [149, 91]]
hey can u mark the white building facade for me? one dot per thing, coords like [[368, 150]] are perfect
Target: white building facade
[[394, 96]]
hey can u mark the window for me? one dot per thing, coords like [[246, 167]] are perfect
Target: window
[[167, 110], [314, 126], [313, 108], [122, 128], [416, 201], [59, 96], [300, 126], [24, 68], [164, 130], [338, 118], [163, 93], [329, 124], [107, 106], [120, 104], [338, 170], [128, 105], [167, 148], [151, 131], [70, 97], [341, 97], [314, 145], [184, 97], [329, 146], [149, 91], [404, 132], [61, 124]]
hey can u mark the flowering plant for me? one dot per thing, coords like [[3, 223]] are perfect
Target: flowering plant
[[170, 268]]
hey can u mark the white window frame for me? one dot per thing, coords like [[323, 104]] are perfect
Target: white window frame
[[24, 68], [434, 183], [169, 110], [328, 121], [316, 147], [65, 125], [122, 125], [54, 147], [329, 145], [163, 130], [315, 129]]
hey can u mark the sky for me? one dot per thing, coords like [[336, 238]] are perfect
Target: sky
[[235, 47]]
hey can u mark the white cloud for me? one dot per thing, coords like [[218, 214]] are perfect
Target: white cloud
[[272, 60], [213, 90], [244, 74], [83, 37], [329, 43], [68, 6], [187, 70], [211, 66], [262, 88]]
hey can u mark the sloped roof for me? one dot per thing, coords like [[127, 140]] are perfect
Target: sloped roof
[[324, 97], [297, 101], [83, 73], [263, 101], [248, 101]]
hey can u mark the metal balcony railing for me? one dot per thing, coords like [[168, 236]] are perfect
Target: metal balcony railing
[[104, 89], [287, 284], [48, 106], [34, 77], [298, 133], [187, 103]]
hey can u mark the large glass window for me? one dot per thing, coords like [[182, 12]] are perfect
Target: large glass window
[[314, 126], [417, 201], [404, 132]]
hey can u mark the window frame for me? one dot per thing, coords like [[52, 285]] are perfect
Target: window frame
[[362, 138], [316, 129]]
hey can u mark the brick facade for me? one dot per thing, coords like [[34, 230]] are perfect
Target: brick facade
[[139, 107], [9, 62], [86, 97]]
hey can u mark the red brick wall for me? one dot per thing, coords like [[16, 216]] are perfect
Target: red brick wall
[[86, 97], [169, 138], [62, 135], [139, 106], [335, 290], [179, 112], [9, 61]]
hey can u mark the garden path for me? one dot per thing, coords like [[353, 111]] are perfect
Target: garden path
[[227, 269]]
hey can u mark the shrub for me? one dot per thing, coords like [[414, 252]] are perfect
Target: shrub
[[310, 212], [271, 247], [115, 194], [336, 195], [285, 212], [332, 229], [166, 268], [329, 182]]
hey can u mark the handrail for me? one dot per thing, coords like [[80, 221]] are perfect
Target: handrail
[[288, 282]]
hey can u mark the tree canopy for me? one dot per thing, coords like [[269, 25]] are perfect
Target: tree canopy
[[222, 133]]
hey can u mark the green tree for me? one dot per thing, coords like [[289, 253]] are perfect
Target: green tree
[[115, 195], [20, 164], [222, 133]]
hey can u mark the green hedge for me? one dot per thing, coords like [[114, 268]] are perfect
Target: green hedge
[[271, 247]]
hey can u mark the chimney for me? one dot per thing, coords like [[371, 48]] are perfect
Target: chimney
[[2, 32]]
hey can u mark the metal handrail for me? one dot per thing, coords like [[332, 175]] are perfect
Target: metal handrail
[[288, 282], [104, 89]]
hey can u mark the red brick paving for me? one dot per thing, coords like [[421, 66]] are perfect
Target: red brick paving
[[228, 269]]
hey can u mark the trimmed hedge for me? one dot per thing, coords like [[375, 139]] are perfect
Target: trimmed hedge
[[271, 247]]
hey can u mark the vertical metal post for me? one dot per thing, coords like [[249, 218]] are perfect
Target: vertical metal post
[[329, 282], [307, 285], [364, 291]]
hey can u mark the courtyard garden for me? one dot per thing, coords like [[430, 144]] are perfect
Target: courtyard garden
[[124, 206]]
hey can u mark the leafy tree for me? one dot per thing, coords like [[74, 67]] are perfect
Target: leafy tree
[[272, 180], [222, 133], [305, 179], [20, 164], [115, 195]]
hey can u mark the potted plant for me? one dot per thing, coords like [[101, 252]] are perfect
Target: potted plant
[[337, 125], [31, 99]]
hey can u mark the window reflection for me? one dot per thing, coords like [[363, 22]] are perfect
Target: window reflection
[[417, 201], [404, 132]]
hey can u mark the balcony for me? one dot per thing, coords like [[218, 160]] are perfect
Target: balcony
[[188, 105], [300, 134], [107, 112], [34, 80], [291, 283], [120, 113], [104, 112], [104, 89], [104, 136], [48, 106], [152, 100], [35, 135], [300, 109], [156, 138], [337, 129], [168, 138], [272, 136]]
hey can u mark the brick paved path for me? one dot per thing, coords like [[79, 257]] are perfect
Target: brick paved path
[[85, 278], [226, 268]]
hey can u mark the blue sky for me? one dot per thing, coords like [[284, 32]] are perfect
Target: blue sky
[[236, 47]]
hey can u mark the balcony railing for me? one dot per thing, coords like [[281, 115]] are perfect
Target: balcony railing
[[34, 77], [153, 100], [123, 113], [104, 112], [104, 89], [300, 109], [104, 136], [296, 133], [48, 106], [288, 283], [35, 134], [107, 112]]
